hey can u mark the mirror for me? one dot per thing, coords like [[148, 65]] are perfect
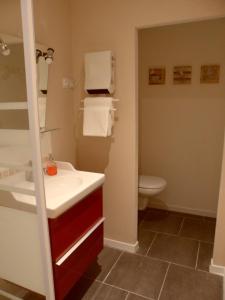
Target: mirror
[[12, 71], [13, 84]]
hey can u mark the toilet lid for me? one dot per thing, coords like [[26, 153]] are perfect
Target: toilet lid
[[151, 182]]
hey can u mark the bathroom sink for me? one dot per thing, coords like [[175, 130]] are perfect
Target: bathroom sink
[[62, 191], [63, 184]]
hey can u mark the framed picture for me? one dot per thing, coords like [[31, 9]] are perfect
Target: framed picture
[[182, 74], [210, 74], [157, 76]]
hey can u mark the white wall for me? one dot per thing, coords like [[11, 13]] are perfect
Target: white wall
[[182, 126]]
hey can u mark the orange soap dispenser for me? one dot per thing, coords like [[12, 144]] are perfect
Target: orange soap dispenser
[[51, 168]]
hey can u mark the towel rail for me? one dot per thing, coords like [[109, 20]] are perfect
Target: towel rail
[[112, 109], [114, 100]]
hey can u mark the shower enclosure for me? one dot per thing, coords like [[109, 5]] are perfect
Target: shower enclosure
[[21, 174]]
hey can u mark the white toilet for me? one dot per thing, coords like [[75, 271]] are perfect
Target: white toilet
[[149, 186]]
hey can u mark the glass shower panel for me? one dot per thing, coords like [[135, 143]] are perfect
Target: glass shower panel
[[21, 273]]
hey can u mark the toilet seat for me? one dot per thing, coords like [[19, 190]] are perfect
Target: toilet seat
[[149, 186], [151, 182]]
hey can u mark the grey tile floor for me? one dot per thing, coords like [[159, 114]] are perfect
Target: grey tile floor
[[172, 263]]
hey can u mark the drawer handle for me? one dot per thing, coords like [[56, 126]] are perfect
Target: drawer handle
[[84, 237]]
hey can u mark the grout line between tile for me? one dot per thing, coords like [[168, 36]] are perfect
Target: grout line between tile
[[160, 292], [161, 260], [196, 264], [152, 242], [183, 266], [129, 292], [181, 226], [151, 257], [139, 225], [112, 267], [117, 287], [176, 235], [97, 290]]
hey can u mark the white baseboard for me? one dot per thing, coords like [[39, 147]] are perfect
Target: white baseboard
[[218, 270], [200, 212], [132, 248]]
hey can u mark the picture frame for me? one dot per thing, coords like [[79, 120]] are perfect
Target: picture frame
[[210, 74], [157, 75], [182, 74]]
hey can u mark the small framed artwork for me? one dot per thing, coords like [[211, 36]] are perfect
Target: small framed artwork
[[157, 76], [210, 74], [182, 74]]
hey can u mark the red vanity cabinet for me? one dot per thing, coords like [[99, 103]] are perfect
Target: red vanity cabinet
[[76, 239]]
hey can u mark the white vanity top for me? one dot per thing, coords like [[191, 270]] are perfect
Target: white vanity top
[[62, 191]]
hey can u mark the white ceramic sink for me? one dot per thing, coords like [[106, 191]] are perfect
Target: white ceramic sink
[[63, 190]]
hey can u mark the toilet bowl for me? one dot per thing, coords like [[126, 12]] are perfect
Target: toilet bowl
[[149, 186]]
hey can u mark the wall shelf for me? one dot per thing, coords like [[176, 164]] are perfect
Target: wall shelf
[[13, 105], [43, 130]]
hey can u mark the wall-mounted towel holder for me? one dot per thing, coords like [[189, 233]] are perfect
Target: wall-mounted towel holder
[[112, 109], [114, 100]]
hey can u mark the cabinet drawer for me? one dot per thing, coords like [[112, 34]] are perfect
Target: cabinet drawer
[[67, 229], [69, 271]]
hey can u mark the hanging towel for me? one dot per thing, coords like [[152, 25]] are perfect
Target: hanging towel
[[98, 116], [42, 111], [42, 69]]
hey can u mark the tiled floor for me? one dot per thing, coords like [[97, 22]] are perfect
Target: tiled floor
[[172, 263]]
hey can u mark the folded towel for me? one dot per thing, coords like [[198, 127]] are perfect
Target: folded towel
[[98, 116]]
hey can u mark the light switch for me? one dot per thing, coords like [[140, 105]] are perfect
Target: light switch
[[67, 83]]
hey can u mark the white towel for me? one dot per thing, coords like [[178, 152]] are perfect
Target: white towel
[[42, 69], [98, 116], [42, 111]]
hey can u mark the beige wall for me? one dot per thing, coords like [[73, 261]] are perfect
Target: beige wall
[[99, 25], [182, 126], [53, 29], [10, 21]]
